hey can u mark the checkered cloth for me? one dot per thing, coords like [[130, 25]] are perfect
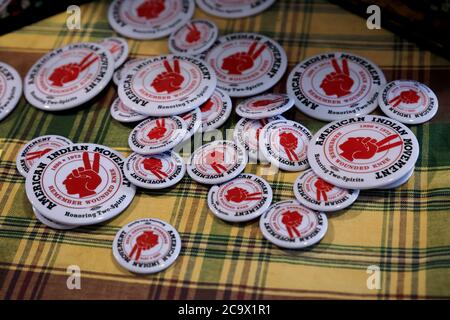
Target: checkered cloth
[[403, 232]]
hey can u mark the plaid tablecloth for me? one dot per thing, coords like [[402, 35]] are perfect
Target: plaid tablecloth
[[404, 232]]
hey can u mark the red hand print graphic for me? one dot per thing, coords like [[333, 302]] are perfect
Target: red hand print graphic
[[241, 61], [266, 102], [207, 106], [216, 159], [145, 241], [70, 71], [366, 147], [169, 80], [289, 142], [150, 9], [322, 187], [292, 219], [338, 82], [114, 48], [238, 195], [154, 165], [36, 154], [158, 131], [84, 180], [408, 96], [193, 35]]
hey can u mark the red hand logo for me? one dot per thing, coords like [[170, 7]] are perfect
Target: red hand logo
[[322, 187], [366, 147], [151, 9], [292, 219], [159, 130], [409, 96], [84, 180], [338, 82], [154, 165], [70, 71], [215, 159], [207, 106], [193, 35], [266, 102], [36, 154], [169, 80], [114, 48], [289, 142], [242, 61], [238, 195], [145, 241]]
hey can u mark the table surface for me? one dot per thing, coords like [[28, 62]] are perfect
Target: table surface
[[403, 232]]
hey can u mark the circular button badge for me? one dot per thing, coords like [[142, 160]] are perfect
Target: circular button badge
[[118, 74], [408, 101], [146, 246], [290, 225], [246, 133], [242, 199], [217, 162], [284, 143], [122, 113], [193, 121], [157, 135], [336, 85], [79, 184], [31, 152], [158, 171], [364, 152], [234, 9], [265, 106], [194, 37], [246, 64], [10, 89], [167, 85], [68, 77], [216, 111], [317, 194], [50, 223], [149, 19], [400, 181], [118, 47]]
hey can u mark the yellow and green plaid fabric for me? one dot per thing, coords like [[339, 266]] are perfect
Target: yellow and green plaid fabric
[[405, 232]]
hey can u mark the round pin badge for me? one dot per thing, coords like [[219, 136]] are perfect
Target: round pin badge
[[146, 246], [149, 19], [79, 184], [233, 9], [284, 143], [193, 121], [242, 199], [290, 225], [69, 76], [118, 74], [246, 64], [216, 111], [50, 223], [363, 152], [317, 194], [246, 133], [10, 89], [336, 85], [264, 106], [167, 85], [31, 152], [193, 38], [157, 135], [408, 101], [118, 47], [217, 162], [122, 113], [157, 171], [399, 182]]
